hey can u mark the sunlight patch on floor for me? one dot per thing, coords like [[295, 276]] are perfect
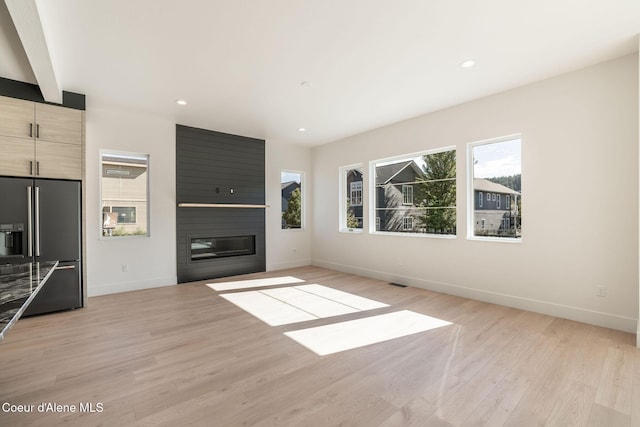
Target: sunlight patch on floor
[[329, 339], [282, 306], [254, 283]]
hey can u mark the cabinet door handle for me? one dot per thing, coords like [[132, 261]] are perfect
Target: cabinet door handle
[[38, 167], [30, 130], [66, 267], [30, 167], [37, 131], [29, 223]]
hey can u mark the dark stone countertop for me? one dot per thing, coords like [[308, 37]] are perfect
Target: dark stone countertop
[[19, 284]]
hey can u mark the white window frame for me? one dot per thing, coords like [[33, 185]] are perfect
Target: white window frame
[[470, 189], [303, 198], [374, 219], [107, 152], [343, 196], [480, 199]]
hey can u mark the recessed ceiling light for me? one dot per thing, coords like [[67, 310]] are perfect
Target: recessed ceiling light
[[302, 129], [181, 102], [468, 63]]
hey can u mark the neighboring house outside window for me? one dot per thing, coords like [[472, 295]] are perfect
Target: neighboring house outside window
[[497, 218], [421, 186]]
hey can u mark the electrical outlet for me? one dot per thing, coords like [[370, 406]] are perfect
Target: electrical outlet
[[125, 268], [601, 291]]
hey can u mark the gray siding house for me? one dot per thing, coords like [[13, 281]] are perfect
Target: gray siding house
[[495, 209], [395, 205]]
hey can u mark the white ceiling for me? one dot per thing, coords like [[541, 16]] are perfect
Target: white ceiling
[[240, 63]]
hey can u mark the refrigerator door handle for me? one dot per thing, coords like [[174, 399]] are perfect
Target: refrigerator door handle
[[29, 223], [37, 222]]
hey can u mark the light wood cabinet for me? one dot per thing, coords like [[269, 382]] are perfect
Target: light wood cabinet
[[17, 118], [59, 160], [16, 156], [40, 140]]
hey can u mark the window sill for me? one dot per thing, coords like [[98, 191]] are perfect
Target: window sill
[[495, 239], [351, 230], [419, 235]]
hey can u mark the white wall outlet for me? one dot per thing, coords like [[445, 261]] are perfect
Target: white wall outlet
[[125, 268], [601, 291]]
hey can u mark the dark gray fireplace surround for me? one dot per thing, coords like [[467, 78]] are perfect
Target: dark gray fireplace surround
[[227, 170]]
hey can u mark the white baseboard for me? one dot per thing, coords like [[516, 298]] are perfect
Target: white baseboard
[[289, 264], [606, 320], [114, 288]]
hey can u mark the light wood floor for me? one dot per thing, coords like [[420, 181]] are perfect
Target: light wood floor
[[182, 355]]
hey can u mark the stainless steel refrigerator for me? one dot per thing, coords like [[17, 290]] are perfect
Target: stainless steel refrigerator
[[40, 220]]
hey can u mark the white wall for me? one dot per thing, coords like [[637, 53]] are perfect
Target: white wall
[[151, 261], [580, 200], [287, 248]]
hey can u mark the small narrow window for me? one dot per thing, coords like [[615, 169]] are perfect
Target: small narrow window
[[291, 186], [480, 199], [350, 193], [498, 201]]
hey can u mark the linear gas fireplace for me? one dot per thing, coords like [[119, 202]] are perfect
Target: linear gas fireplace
[[218, 247]]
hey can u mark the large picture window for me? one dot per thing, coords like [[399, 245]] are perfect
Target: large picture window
[[495, 169], [416, 193], [125, 194], [291, 186], [350, 193]]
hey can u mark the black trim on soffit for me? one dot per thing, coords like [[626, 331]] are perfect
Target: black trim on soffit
[[31, 92]]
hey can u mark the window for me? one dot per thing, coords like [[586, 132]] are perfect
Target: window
[[126, 215], [407, 194], [480, 199], [355, 191], [350, 193], [292, 200], [420, 188], [124, 194], [495, 169], [407, 223]]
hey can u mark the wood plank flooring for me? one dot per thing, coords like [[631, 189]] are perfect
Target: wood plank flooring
[[183, 355]]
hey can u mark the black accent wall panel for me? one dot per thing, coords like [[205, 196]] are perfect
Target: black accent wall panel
[[214, 167]]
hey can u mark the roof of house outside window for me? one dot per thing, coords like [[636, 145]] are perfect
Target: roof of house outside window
[[491, 187]]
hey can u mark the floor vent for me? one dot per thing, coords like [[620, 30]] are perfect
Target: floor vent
[[398, 285]]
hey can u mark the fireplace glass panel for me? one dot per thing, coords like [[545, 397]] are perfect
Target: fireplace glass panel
[[218, 247]]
